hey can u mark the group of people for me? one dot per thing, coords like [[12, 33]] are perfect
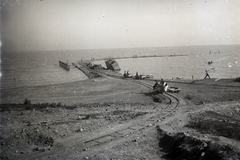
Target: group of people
[[161, 84], [127, 74]]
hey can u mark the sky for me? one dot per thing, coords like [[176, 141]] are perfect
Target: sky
[[30, 25]]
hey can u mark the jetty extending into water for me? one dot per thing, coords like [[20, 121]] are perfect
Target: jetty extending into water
[[136, 56], [93, 70], [85, 70]]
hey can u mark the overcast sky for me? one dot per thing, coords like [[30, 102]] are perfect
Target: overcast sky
[[93, 24]]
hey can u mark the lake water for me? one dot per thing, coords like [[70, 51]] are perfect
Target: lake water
[[41, 67]]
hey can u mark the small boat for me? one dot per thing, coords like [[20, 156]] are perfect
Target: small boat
[[127, 75], [142, 77], [173, 89], [210, 62], [149, 76]]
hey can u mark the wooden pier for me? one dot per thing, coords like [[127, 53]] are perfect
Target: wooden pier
[[85, 70]]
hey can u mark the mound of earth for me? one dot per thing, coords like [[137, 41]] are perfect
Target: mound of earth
[[182, 146]]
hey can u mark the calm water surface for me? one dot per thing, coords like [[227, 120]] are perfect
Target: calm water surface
[[41, 68]]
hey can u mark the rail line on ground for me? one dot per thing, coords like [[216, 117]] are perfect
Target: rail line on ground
[[144, 125], [126, 131]]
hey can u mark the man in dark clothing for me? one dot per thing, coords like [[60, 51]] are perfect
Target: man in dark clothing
[[137, 75], [162, 82], [207, 75], [155, 85]]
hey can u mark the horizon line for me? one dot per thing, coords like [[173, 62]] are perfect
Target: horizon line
[[2, 51]]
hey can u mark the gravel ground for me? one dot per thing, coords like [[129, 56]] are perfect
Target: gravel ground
[[92, 120]]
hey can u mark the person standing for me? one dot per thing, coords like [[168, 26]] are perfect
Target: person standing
[[165, 86], [137, 75], [207, 75], [162, 82], [155, 85]]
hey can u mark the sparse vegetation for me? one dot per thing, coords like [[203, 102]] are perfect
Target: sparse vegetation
[[52, 127], [189, 97], [27, 102], [196, 122], [29, 106], [218, 127], [43, 140], [238, 79], [200, 102]]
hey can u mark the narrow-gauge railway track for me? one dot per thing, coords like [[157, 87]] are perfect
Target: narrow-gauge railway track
[[144, 125], [120, 132], [169, 96]]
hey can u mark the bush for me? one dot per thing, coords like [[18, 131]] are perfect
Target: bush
[[196, 122], [188, 97], [27, 102], [238, 79]]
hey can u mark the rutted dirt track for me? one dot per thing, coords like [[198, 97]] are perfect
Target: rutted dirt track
[[120, 127], [134, 128], [142, 125]]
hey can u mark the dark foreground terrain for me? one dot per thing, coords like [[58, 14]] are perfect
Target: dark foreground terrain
[[118, 119]]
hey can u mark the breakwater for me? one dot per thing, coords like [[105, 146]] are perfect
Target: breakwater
[[136, 56]]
